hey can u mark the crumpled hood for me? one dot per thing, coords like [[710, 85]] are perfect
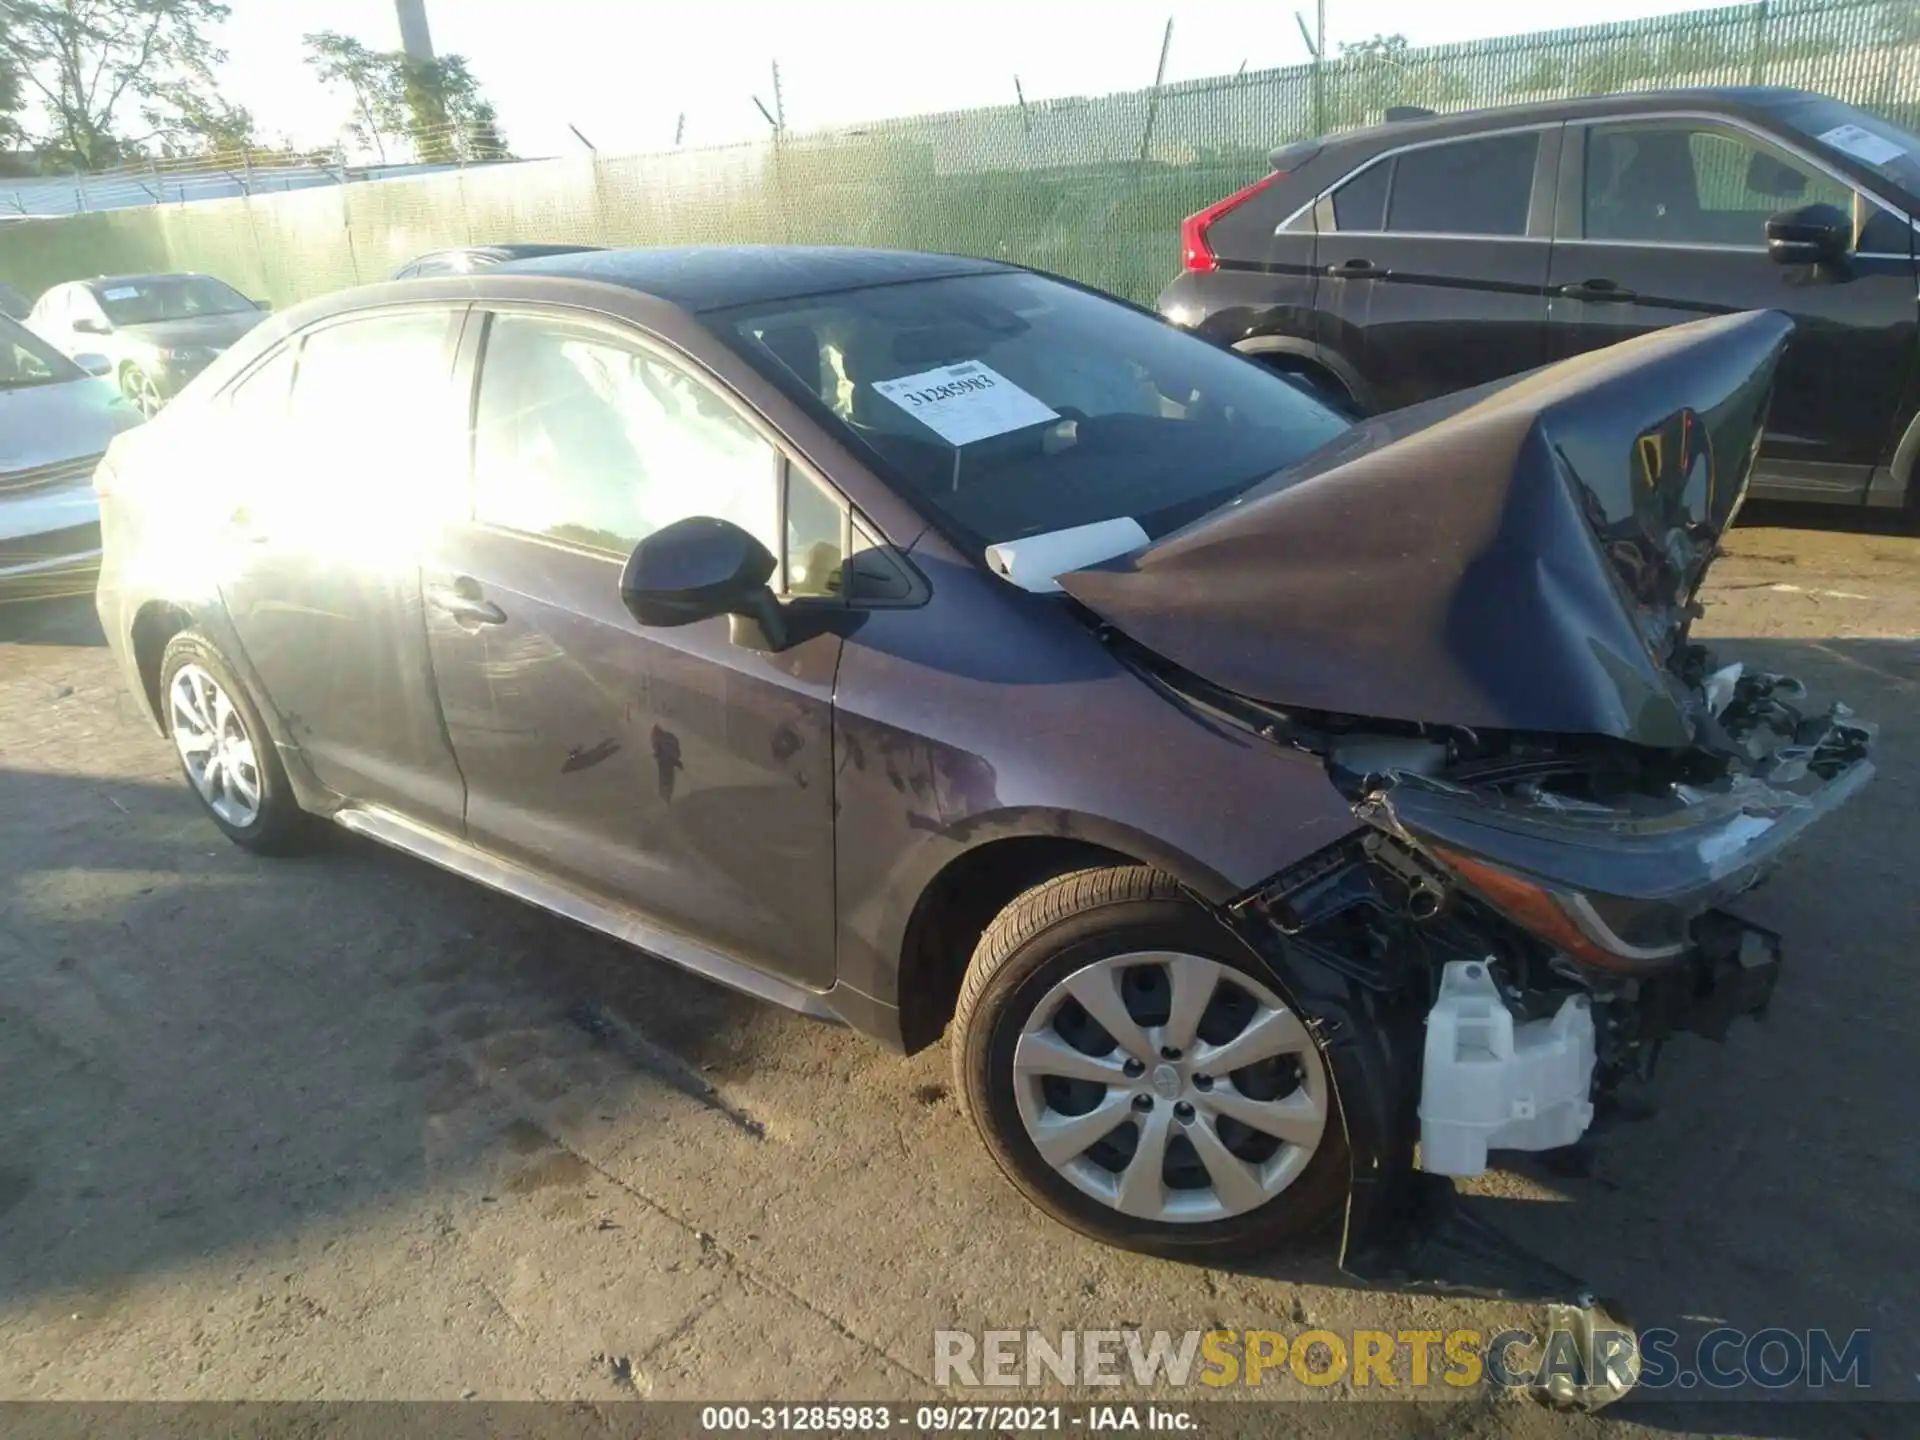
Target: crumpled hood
[[1523, 556]]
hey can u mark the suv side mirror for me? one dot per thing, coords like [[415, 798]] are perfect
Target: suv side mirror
[[87, 325], [700, 567], [94, 363], [263, 305], [1810, 235]]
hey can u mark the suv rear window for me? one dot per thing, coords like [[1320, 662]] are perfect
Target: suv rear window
[[1475, 187], [1361, 203]]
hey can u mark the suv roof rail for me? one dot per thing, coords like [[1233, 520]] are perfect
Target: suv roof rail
[[1409, 112]]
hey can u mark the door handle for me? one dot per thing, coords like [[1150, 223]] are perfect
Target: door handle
[[1357, 270], [1597, 292], [464, 602]]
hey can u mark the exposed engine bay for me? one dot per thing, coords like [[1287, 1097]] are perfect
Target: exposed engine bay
[[1557, 869]]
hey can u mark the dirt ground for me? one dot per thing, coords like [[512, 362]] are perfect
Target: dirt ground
[[347, 1127]]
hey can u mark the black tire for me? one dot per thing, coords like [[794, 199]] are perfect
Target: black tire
[[280, 827], [1045, 935], [1317, 383]]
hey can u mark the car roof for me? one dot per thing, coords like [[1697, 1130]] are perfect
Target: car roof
[[1731, 99], [512, 250], [717, 277]]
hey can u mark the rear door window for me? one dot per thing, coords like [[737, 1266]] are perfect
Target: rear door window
[[373, 421], [1470, 187]]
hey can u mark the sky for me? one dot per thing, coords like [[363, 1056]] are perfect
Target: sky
[[625, 71]]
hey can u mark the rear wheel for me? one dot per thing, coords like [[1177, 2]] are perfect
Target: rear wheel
[[225, 750], [1315, 381], [1137, 1078]]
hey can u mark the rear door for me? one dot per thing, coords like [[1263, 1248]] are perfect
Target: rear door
[[1433, 264], [340, 456], [669, 771], [1662, 221]]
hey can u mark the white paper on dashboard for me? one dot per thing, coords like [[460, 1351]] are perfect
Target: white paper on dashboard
[[965, 402], [121, 292], [1863, 143]]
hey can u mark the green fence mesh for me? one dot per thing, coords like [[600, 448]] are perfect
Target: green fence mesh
[[1092, 188]]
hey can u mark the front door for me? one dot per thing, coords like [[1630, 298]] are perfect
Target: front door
[[670, 772], [1433, 265], [1663, 221], [331, 490]]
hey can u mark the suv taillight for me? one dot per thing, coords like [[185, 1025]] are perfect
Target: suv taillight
[[1195, 253]]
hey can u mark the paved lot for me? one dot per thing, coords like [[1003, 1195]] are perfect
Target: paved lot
[[344, 1126]]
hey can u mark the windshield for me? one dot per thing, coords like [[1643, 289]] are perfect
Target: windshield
[[1012, 405], [26, 359], [167, 297], [1879, 144]]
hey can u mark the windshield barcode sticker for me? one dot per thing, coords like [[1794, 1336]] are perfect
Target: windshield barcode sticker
[[966, 402], [1863, 143]]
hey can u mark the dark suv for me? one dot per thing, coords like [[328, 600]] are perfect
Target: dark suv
[[1423, 256]]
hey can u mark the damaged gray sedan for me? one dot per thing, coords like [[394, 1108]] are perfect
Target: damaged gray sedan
[[1280, 815]]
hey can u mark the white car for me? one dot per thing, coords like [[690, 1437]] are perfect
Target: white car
[[55, 421], [156, 332]]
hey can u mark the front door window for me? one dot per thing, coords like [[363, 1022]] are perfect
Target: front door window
[[1681, 183]]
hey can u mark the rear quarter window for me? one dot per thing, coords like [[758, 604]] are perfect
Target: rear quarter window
[[1471, 187]]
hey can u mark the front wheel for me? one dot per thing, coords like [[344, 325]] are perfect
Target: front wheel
[[139, 387], [225, 749], [1137, 1078]]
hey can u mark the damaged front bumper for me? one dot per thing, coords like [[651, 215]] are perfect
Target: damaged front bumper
[[1496, 958], [1617, 887]]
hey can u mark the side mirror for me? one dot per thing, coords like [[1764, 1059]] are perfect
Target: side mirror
[[266, 305], [1810, 235], [700, 567], [94, 363], [87, 325]]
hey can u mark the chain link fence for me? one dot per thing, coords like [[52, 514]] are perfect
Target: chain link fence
[[1091, 188]]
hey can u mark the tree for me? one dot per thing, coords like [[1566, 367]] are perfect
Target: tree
[[1390, 49], [9, 90], [433, 107], [86, 63], [372, 77], [451, 120]]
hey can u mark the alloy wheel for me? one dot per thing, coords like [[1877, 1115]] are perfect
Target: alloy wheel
[[1170, 1086], [138, 387], [215, 747]]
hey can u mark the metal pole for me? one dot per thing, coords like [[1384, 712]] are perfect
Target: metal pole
[[1026, 120], [1320, 68], [1757, 68], [1153, 100], [779, 104], [1313, 49]]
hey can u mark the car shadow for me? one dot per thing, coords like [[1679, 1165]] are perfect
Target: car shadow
[[201, 1051], [63, 619]]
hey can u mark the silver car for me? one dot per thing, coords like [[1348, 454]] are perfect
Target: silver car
[[156, 331], [55, 420]]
